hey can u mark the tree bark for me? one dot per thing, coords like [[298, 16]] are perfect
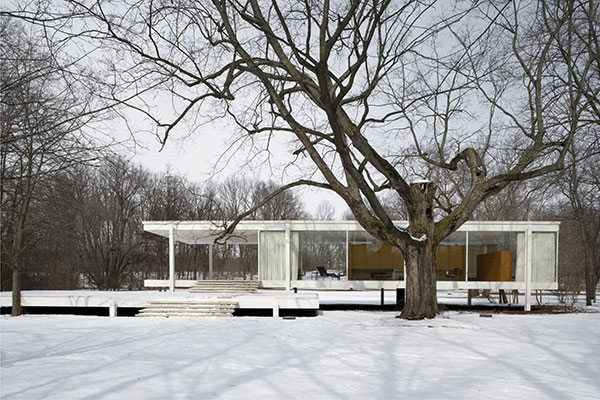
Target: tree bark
[[421, 291], [590, 280], [16, 309]]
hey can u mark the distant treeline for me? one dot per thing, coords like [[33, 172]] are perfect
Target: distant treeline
[[84, 228]]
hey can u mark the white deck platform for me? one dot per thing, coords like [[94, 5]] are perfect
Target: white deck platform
[[332, 284], [274, 300], [264, 299]]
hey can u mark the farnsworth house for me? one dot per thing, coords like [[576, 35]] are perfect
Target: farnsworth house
[[493, 255]]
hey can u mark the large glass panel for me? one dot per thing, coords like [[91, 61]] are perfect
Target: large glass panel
[[451, 258], [371, 259], [322, 255], [496, 256], [233, 262], [543, 257]]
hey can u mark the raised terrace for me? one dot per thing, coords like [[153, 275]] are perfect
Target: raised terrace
[[178, 303]]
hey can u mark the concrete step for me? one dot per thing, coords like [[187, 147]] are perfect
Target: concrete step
[[227, 282], [220, 290], [173, 314], [189, 308], [223, 287], [194, 303], [220, 286]]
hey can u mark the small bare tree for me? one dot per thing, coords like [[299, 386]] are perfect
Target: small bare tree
[[109, 221], [325, 211]]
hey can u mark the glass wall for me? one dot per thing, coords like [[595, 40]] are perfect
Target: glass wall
[[371, 259], [322, 255], [232, 262], [496, 256], [451, 257]]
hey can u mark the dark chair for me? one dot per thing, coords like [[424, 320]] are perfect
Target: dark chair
[[323, 272]]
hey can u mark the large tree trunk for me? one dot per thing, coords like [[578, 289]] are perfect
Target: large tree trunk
[[421, 293], [16, 292]]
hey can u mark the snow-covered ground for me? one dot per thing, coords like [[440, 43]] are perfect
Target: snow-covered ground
[[338, 354]]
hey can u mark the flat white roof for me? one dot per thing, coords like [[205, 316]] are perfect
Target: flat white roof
[[246, 232]]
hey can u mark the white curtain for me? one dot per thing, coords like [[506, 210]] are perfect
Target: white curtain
[[294, 254], [543, 257], [521, 258], [272, 255]]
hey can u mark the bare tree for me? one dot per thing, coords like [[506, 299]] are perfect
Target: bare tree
[[285, 206], [42, 115], [325, 211], [375, 94], [580, 185], [51, 258], [578, 49], [520, 200], [109, 221]]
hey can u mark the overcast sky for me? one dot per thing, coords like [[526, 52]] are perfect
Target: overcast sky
[[196, 157]]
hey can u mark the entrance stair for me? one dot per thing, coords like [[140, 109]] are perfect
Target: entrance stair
[[234, 287], [189, 308]]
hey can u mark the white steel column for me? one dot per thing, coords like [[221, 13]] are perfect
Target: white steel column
[[112, 309], [258, 255], [288, 257], [171, 258], [528, 257], [466, 256], [556, 257], [210, 261], [347, 254]]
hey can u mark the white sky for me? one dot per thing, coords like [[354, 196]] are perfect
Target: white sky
[[196, 156], [195, 146]]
